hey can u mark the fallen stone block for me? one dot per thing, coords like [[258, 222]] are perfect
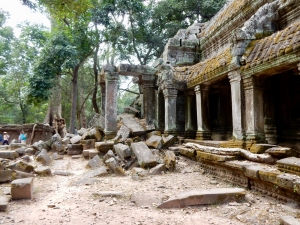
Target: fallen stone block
[[123, 151], [75, 139], [108, 155], [135, 128], [62, 173], [123, 133], [25, 158], [9, 154], [20, 175], [22, 188], [94, 133], [93, 153], [88, 144], [289, 220], [5, 176], [14, 146], [139, 171], [144, 155], [56, 156], [260, 148], [44, 158], [99, 172], [115, 167], [40, 145], [170, 160], [187, 152], [157, 133], [95, 162], [75, 149], [205, 197], [43, 171], [20, 151], [4, 200], [169, 141], [280, 152], [104, 146], [30, 151], [158, 169], [155, 142], [21, 166]]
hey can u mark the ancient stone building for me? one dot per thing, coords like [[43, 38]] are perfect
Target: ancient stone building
[[233, 78]]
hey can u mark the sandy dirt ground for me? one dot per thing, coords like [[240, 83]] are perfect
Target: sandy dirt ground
[[133, 200]]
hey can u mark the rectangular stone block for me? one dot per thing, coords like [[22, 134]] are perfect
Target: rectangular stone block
[[104, 146], [88, 144], [8, 154], [260, 148], [75, 149], [5, 176], [4, 200], [144, 155], [22, 188], [290, 165]]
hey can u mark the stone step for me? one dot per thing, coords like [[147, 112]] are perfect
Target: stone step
[[205, 197]]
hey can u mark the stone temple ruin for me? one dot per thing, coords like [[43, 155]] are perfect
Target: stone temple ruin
[[228, 89]]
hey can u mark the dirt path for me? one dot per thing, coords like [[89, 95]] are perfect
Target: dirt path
[[58, 201]]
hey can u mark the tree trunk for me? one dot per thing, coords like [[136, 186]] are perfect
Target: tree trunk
[[94, 98], [74, 99]]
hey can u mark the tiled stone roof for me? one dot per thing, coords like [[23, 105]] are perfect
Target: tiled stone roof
[[209, 68], [276, 45]]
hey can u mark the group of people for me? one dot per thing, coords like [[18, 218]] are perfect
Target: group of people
[[5, 139]]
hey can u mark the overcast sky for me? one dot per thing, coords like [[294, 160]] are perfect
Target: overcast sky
[[20, 13]]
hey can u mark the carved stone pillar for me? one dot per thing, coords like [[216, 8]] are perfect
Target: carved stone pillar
[[203, 132], [190, 131], [236, 99], [111, 79], [254, 110], [149, 98], [170, 95], [103, 97], [160, 111]]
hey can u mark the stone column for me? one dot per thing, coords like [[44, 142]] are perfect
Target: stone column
[[203, 132], [159, 102], [190, 131], [170, 95], [103, 97], [236, 99], [111, 79], [254, 110], [149, 98]]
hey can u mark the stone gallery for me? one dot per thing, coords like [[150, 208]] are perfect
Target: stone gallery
[[235, 77]]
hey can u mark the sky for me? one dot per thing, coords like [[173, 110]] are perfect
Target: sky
[[20, 13]]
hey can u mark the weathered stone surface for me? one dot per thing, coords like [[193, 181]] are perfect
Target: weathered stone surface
[[62, 173], [22, 188], [155, 142], [280, 152], [20, 151], [94, 133], [75, 149], [95, 162], [93, 153], [21, 166], [75, 139], [65, 141], [108, 155], [213, 157], [14, 146], [39, 146], [104, 146], [187, 152], [123, 151], [98, 172], [88, 144], [19, 175], [115, 166], [260, 148], [4, 200], [290, 165], [9, 154], [26, 158], [44, 158], [170, 160], [97, 121], [56, 156], [5, 176], [43, 171], [158, 169], [289, 220], [157, 133], [123, 133], [30, 151], [287, 181], [205, 197], [135, 128], [144, 155], [139, 171], [268, 174], [169, 141]]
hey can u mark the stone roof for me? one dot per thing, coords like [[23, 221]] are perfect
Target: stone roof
[[276, 45], [210, 68], [227, 13]]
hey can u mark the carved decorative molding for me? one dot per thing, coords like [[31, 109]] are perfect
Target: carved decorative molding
[[234, 76], [170, 92], [111, 76]]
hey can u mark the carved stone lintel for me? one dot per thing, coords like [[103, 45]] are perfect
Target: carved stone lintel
[[200, 88], [251, 82]]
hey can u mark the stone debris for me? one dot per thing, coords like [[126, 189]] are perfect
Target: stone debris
[[133, 125], [9, 154], [43, 158], [22, 188], [144, 155], [289, 220], [4, 200], [74, 149], [21, 166], [204, 197], [104, 146], [123, 151], [98, 172], [170, 160], [95, 162], [155, 141], [158, 169], [43, 171]]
